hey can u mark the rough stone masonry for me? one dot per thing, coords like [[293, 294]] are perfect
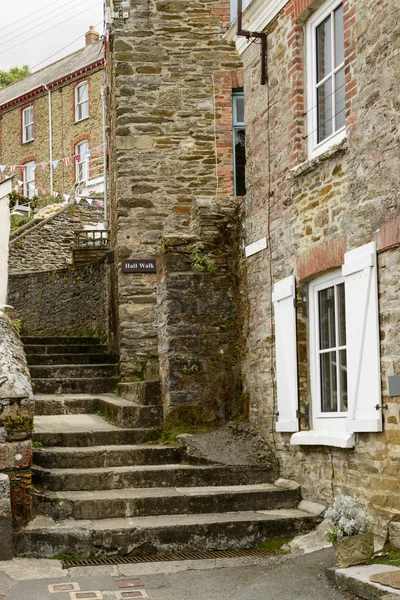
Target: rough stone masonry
[[170, 79]]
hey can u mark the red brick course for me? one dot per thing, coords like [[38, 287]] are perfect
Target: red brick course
[[325, 256]]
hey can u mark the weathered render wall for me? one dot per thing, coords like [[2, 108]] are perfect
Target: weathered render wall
[[71, 301], [313, 212], [171, 77], [66, 133], [16, 425], [199, 319], [46, 244]]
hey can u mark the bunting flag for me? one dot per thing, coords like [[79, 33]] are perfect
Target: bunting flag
[[89, 201], [99, 148], [33, 166], [54, 194], [66, 197], [77, 158], [23, 168], [100, 203], [77, 199], [44, 192], [20, 182], [66, 161], [2, 168], [12, 168], [88, 152], [43, 165], [55, 163]]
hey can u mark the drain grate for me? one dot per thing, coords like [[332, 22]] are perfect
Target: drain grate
[[168, 557]]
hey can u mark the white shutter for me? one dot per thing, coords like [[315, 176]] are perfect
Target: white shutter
[[286, 353], [362, 332]]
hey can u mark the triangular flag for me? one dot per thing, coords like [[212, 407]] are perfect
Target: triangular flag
[[20, 182], [22, 167], [2, 168], [99, 148], [12, 168], [89, 200], [66, 161], [77, 199], [54, 194], [55, 163], [44, 192], [100, 203], [43, 165], [66, 197]]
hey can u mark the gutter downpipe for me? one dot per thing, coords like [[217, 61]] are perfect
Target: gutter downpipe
[[50, 138], [240, 32]]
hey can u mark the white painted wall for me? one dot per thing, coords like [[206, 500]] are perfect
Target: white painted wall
[[5, 189]]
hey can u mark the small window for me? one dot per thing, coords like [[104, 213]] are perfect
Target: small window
[[326, 84], [28, 178], [328, 350], [82, 101], [239, 144], [28, 129], [82, 162]]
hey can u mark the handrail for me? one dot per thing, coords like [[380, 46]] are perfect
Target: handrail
[[89, 239]]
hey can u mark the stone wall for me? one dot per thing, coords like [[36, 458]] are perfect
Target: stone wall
[[171, 77], [66, 133], [198, 318], [46, 244], [314, 211], [71, 301], [16, 425]]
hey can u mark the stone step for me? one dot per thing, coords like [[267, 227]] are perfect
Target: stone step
[[141, 392], [44, 537], [84, 430], [150, 476], [126, 414], [94, 457], [70, 359], [72, 349], [66, 404], [77, 385], [59, 340], [136, 502], [72, 371]]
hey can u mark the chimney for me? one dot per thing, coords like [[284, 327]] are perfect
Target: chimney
[[91, 36]]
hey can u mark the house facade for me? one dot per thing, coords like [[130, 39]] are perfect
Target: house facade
[[322, 183], [58, 158]]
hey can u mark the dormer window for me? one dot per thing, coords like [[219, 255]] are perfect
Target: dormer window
[[28, 125], [82, 101]]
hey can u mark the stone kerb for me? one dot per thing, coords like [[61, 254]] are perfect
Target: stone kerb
[[16, 425]]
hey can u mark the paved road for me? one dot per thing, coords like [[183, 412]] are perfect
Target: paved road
[[277, 578]]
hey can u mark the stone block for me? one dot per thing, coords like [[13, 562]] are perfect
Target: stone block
[[394, 534], [6, 536]]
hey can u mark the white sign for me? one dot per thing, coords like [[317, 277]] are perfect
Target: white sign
[[256, 247], [5, 189]]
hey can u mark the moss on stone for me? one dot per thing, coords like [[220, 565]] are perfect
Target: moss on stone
[[18, 422]]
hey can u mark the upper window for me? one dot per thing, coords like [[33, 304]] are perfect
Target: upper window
[[82, 101], [326, 85], [82, 162], [239, 144], [328, 350], [28, 129], [28, 178]]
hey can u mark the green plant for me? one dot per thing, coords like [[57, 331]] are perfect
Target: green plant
[[36, 444], [191, 369], [387, 556], [16, 222], [201, 261], [275, 546], [18, 422], [17, 324]]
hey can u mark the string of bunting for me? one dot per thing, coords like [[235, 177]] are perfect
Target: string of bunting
[[76, 157], [66, 197]]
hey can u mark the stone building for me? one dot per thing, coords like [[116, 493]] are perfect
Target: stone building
[[71, 89], [322, 184]]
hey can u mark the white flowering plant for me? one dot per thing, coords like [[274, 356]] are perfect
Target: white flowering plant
[[346, 517]]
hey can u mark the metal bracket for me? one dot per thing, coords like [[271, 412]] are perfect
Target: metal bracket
[[305, 415], [254, 34], [381, 407], [302, 303]]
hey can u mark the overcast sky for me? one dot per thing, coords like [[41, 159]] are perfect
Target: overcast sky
[[54, 23]]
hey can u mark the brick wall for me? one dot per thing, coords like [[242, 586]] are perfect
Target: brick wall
[[314, 211], [163, 101], [65, 130]]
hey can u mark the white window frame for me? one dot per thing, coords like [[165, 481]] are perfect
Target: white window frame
[[322, 421], [82, 167], [79, 105], [27, 124], [28, 186], [316, 148], [236, 127]]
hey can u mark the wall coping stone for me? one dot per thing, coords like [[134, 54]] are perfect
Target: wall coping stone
[[28, 228], [14, 374]]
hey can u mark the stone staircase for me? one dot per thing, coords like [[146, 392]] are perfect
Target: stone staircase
[[102, 489]]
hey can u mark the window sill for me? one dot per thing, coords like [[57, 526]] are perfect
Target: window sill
[[28, 141], [338, 438], [312, 163], [80, 120]]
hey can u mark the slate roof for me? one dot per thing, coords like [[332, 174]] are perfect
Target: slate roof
[[61, 68]]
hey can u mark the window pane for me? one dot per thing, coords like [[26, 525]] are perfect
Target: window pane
[[328, 382], [339, 99], [239, 100], [343, 380], [341, 313], [324, 49], [339, 39], [324, 100], [29, 132], [240, 162], [82, 93], [327, 334]]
